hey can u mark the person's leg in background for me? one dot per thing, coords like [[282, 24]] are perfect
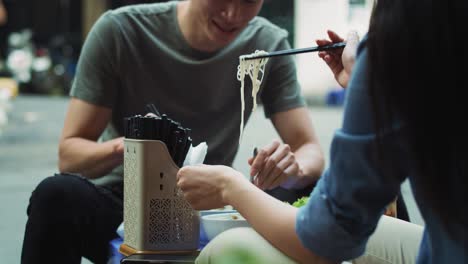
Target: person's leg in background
[[393, 242], [69, 217]]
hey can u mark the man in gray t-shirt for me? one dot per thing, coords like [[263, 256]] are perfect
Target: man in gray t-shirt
[[182, 56]]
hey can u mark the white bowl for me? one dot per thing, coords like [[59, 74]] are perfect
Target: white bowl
[[216, 211], [215, 224], [203, 238]]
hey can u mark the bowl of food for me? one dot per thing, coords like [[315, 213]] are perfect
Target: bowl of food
[[203, 238], [214, 224], [223, 210]]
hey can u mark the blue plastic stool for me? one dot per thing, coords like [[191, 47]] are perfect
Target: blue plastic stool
[[335, 97], [115, 255]]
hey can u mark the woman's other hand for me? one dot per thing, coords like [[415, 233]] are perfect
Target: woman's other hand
[[204, 186]]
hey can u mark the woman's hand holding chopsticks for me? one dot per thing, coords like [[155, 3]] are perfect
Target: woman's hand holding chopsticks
[[340, 61]]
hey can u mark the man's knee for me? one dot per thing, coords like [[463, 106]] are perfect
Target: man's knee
[[55, 193]]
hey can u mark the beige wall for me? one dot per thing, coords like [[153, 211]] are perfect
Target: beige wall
[[312, 19], [92, 9]]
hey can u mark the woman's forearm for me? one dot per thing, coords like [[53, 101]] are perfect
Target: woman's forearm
[[89, 158], [311, 160], [273, 219]]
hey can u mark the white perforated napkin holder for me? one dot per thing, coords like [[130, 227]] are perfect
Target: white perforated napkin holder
[[156, 215]]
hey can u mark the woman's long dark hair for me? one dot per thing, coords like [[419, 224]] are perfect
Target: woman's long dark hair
[[418, 69]]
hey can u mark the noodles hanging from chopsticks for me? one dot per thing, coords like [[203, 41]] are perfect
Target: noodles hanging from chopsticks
[[251, 68]]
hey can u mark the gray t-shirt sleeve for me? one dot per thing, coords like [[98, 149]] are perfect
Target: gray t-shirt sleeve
[[97, 79], [282, 91]]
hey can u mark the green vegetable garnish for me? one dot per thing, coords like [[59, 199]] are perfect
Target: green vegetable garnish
[[301, 201]]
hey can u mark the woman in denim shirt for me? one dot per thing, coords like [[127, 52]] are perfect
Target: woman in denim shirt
[[403, 119]]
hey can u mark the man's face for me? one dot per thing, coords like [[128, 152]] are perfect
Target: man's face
[[222, 20]]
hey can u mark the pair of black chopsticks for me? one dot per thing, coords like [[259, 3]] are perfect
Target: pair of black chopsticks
[[333, 46], [255, 152], [160, 127]]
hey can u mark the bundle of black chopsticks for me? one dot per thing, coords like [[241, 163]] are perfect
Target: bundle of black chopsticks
[[160, 127]]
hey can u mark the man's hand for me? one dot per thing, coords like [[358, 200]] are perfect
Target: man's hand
[[273, 165], [340, 61]]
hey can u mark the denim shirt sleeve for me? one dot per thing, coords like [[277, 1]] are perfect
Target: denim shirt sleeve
[[344, 208]]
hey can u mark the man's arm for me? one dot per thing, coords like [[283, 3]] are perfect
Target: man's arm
[[298, 162], [79, 151]]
